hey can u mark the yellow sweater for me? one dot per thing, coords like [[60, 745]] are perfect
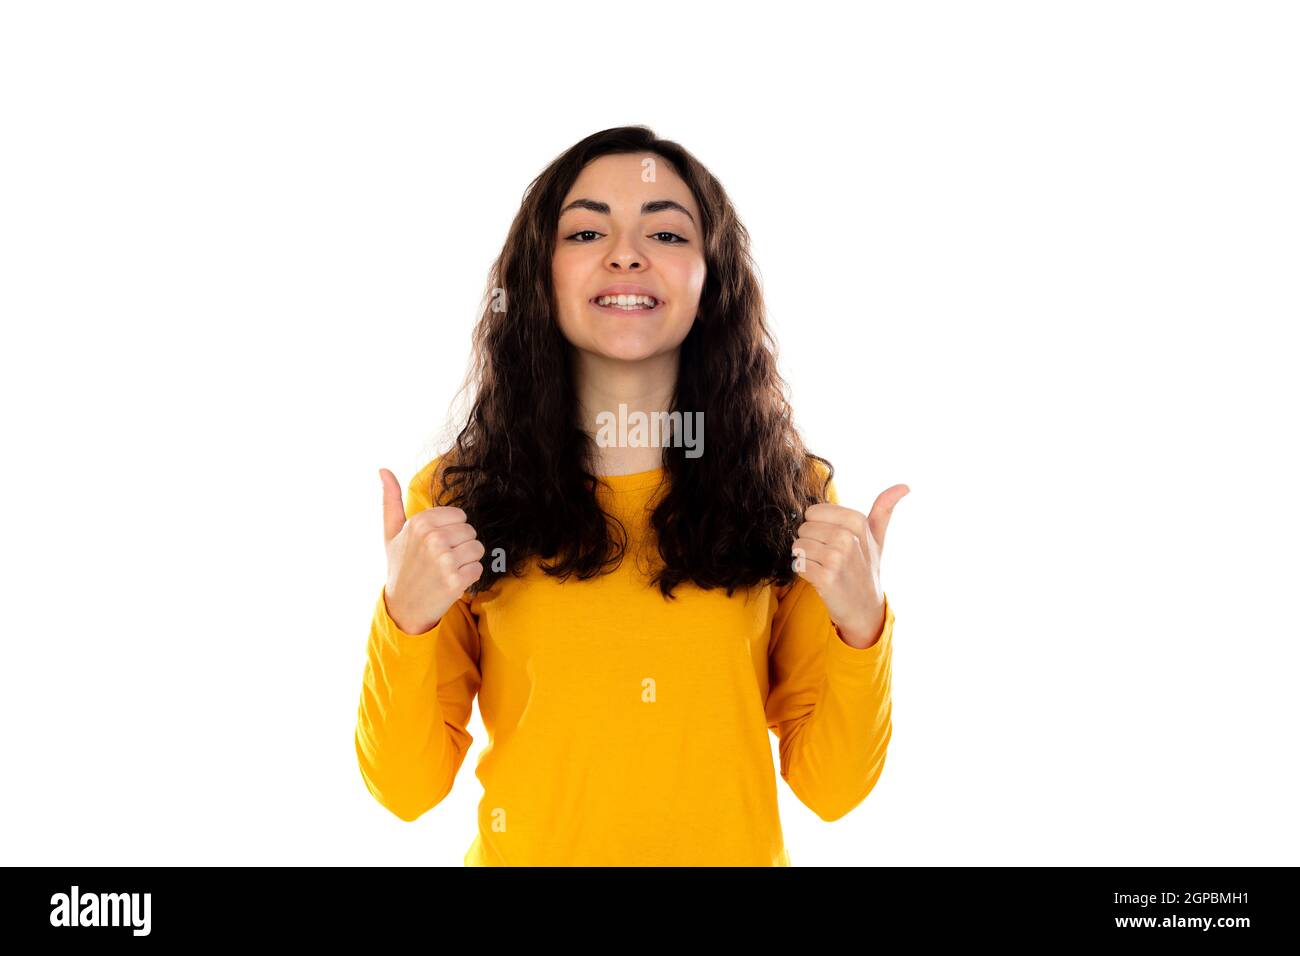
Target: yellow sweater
[[625, 729]]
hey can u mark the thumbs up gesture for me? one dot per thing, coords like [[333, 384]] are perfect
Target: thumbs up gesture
[[432, 558], [838, 552]]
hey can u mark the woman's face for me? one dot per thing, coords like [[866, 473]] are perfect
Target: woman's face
[[620, 234]]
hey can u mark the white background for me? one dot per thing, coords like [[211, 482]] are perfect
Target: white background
[[1036, 260]]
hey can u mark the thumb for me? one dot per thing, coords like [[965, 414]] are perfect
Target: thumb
[[394, 513], [883, 510]]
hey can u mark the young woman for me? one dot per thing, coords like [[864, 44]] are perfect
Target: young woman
[[634, 615]]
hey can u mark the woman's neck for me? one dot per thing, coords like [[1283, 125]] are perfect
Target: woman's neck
[[602, 385]]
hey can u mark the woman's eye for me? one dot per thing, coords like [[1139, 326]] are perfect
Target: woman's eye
[[672, 237]]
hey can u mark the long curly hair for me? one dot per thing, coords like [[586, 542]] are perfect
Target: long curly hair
[[521, 465]]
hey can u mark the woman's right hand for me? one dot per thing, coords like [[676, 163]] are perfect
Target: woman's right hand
[[432, 559]]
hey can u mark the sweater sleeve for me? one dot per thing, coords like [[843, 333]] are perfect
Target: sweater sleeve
[[416, 699], [828, 703]]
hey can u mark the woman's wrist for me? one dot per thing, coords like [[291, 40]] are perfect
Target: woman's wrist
[[863, 635]]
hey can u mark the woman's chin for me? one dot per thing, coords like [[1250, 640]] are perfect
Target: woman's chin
[[629, 348]]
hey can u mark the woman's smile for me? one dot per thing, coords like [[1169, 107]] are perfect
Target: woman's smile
[[626, 298], [626, 304]]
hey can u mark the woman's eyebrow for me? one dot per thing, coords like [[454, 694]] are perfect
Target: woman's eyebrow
[[654, 205]]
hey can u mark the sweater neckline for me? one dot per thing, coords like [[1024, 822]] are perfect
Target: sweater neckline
[[634, 482]]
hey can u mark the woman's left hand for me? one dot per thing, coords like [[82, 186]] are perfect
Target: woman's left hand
[[838, 553]]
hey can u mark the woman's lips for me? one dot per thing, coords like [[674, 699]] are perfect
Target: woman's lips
[[615, 310]]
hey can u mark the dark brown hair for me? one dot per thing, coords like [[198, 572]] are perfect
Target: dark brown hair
[[521, 465]]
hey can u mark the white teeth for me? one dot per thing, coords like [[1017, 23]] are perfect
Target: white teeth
[[628, 302]]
